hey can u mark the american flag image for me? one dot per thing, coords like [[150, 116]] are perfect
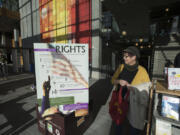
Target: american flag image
[[63, 67]]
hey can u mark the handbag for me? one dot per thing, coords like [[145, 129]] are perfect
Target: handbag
[[118, 106]]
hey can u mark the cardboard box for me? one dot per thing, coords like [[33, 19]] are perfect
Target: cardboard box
[[64, 124], [163, 127], [174, 78]]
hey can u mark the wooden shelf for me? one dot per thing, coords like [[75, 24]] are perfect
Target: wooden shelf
[[162, 87]]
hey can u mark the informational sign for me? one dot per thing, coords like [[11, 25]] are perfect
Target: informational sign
[[62, 78], [174, 78]]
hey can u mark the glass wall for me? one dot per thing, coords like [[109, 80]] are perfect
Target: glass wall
[[9, 4], [60, 21], [63, 21]]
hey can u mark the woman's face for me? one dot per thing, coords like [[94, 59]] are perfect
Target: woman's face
[[129, 59]]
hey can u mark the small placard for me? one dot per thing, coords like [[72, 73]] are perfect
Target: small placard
[[49, 127], [174, 78], [163, 128]]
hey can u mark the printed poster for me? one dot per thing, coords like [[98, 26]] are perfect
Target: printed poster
[[62, 78]]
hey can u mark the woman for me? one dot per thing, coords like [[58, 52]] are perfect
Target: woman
[[135, 77]]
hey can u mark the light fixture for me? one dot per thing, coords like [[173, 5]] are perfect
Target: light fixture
[[141, 40], [107, 44], [167, 9], [136, 44], [141, 47], [124, 33], [149, 46]]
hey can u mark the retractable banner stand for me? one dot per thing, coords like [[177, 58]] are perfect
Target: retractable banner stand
[[62, 78]]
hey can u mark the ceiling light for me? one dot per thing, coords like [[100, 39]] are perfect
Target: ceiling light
[[141, 40], [124, 33], [141, 47], [167, 9], [136, 44], [107, 44]]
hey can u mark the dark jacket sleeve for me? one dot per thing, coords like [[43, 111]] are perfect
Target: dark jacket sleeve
[[177, 61]]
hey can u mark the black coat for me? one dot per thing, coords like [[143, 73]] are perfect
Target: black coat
[[177, 61]]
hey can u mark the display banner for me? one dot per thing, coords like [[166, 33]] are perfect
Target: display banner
[[62, 78], [66, 21]]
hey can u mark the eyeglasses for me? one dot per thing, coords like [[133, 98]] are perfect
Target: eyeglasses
[[126, 56]]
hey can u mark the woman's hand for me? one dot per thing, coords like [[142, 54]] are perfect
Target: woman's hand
[[46, 86], [122, 82]]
